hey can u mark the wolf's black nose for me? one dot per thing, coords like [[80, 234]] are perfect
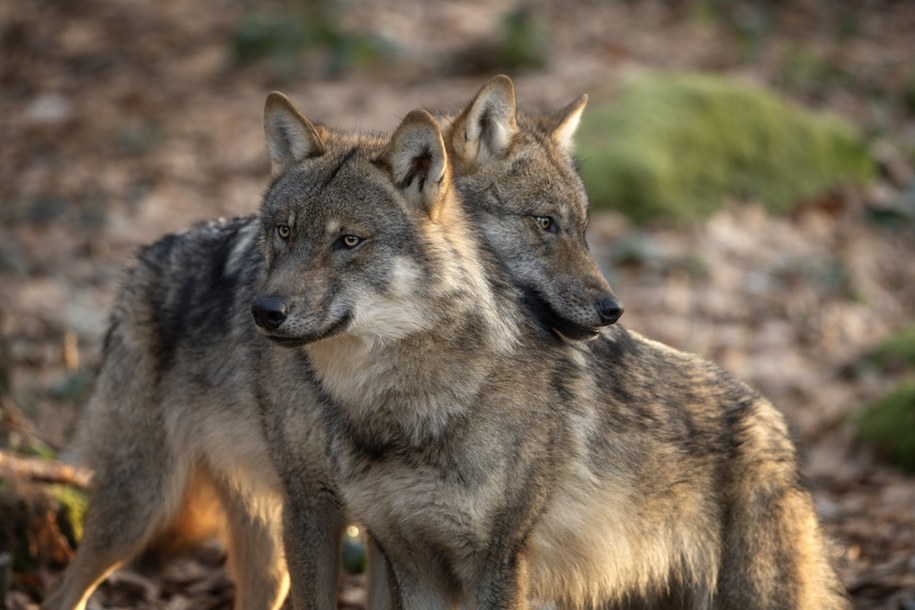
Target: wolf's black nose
[[269, 312], [609, 309]]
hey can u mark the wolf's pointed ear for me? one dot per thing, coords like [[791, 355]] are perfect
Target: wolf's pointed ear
[[291, 138], [416, 160], [487, 125], [566, 122]]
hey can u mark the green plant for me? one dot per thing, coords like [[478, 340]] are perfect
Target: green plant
[[804, 70], [285, 36], [897, 351], [521, 42], [908, 96], [889, 424], [71, 512]]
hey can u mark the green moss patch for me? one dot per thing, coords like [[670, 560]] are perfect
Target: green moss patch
[[40, 524], [889, 424], [284, 36], [674, 146], [896, 352], [71, 513]]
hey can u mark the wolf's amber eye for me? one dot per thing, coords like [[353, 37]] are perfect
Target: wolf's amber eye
[[351, 241], [546, 223], [283, 231]]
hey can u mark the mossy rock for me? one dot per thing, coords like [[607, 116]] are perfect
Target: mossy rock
[[889, 425], [674, 146]]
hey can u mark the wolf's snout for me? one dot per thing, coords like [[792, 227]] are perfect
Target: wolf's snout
[[269, 312], [610, 309]]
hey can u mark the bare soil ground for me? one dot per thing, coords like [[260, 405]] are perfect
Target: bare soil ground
[[121, 121]]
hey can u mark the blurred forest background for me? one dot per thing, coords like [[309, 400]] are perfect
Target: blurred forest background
[[751, 167]]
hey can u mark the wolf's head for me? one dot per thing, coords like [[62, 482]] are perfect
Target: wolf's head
[[361, 236], [516, 174]]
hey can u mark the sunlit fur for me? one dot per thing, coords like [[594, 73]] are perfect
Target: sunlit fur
[[494, 463]]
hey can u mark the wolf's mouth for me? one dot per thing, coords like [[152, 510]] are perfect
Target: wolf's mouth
[[334, 329], [549, 316]]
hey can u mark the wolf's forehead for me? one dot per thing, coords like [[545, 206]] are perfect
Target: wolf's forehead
[[548, 181], [357, 196], [540, 169], [332, 177]]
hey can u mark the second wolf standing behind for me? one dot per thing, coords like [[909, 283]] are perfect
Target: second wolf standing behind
[[493, 463]]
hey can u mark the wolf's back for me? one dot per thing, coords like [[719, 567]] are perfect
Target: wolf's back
[[180, 330], [190, 289]]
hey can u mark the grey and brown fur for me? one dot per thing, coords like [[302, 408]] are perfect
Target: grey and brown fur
[[174, 415], [497, 465], [518, 182]]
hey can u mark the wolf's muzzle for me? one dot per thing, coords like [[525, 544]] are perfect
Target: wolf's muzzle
[[269, 312]]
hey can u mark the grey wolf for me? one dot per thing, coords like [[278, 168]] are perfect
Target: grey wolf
[[174, 417], [496, 464], [516, 178]]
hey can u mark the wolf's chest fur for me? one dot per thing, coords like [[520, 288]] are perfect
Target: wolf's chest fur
[[429, 501], [524, 461]]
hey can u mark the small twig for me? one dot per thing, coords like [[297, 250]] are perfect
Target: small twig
[[15, 466]]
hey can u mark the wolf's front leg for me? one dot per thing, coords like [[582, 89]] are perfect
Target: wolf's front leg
[[313, 523], [501, 583], [412, 589], [255, 550]]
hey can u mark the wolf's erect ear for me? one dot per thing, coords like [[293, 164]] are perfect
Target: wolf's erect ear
[[417, 161], [566, 122], [291, 138], [487, 125]]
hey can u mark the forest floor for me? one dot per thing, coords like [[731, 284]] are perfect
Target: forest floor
[[122, 121]]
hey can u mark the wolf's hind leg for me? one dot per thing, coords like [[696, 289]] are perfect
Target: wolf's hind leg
[[776, 559], [133, 498], [255, 550], [775, 556]]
